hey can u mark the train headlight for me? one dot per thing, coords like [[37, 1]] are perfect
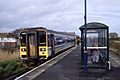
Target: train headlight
[[42, 49], [43, 53], [23, 49]]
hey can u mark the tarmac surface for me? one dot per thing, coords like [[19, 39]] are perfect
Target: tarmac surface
[[70, 68]]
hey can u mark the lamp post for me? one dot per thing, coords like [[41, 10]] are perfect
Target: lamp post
[[85, 41]]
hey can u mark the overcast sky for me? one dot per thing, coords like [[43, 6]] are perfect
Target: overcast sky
[[60, 15]]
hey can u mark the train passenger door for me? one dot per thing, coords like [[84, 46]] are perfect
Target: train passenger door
[[31, 45], [52, 44]]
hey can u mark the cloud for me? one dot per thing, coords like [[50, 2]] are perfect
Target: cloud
[[57, 15], [51, 14]]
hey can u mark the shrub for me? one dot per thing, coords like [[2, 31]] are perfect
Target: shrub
[[8, 68], [1, 72]]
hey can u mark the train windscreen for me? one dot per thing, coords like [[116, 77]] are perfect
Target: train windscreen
[[42, 38], [23, 39]]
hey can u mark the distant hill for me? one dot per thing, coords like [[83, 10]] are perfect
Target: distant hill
[[16, 32]]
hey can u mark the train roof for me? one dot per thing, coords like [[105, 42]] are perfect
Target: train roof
[[48, 30]]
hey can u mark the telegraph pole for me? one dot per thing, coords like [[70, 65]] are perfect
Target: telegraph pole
[[85, 64]]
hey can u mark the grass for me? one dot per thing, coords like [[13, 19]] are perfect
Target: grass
[[116, 41], [10, 63], [115, 46], [8, 55]]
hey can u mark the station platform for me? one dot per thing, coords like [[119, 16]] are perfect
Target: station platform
[[70, 68]]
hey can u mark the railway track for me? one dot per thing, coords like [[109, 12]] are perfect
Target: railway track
[[16, 75], [41, 68]]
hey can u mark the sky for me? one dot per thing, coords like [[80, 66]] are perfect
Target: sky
[[59, 15]]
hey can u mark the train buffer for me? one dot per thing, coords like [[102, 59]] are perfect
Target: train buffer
[[70, 68]]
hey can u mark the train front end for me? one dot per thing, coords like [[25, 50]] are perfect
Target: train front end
[[33, 45], [43, 45], [23, 46]]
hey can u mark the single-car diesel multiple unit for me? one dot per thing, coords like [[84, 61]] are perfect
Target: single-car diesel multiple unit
[[41, 43]]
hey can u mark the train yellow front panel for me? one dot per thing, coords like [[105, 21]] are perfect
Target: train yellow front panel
[[43, 51], [23, 51]]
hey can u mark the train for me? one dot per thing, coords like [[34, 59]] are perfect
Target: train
[[38, 44]]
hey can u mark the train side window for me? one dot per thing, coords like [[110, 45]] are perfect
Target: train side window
[[59, 40]]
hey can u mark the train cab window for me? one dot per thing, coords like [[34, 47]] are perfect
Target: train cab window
[[42, 38], [23, 39]]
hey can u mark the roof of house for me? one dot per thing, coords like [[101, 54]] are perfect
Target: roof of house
[[8, 35]]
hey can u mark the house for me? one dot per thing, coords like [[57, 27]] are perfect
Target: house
[[8, 40], [113, 35]]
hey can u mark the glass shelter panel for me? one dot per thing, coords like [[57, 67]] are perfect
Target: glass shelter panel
[[96, 46], [92, 39]]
